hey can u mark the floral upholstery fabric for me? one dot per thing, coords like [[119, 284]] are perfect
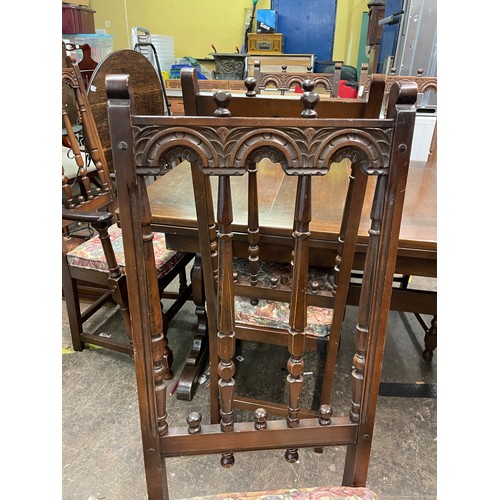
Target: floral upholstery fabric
[[275, 314], [332, 493], [90, 255]]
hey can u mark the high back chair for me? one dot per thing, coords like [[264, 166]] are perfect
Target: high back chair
[[330, 83], [92, 248], [225, 148], [149, 99], [263, 282], [200, 103]]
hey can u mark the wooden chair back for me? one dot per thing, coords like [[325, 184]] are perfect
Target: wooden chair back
[[199, 103], [223, 146], [81, 137], [149, 96], [326, 82]]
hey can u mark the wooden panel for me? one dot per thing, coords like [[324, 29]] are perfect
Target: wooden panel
[[296, 63]]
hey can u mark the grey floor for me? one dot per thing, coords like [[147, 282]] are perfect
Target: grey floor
[[101, 442]]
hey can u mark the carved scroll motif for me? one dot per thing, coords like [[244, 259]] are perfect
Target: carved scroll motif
[[233, 149]]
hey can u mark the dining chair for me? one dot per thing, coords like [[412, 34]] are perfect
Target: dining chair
[[426, 86], [343, 82], [262, 307], [199, 102], [149, 91], [93, 265], [223, 147]]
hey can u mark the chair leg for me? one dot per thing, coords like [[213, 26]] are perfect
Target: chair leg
[[430, 340], [72, 300], [356, 462]]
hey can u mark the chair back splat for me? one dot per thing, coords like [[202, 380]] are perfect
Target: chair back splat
[[227, 148]]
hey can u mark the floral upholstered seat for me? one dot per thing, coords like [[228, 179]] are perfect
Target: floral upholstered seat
[[90, 255], [332, 493], [275, 314]]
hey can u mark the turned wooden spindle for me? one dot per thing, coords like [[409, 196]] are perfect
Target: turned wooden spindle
[[253, 223], [225, 314], [222, 98], [309, 100], [342, 268], [250, 83], [364, 310], [68, 195], [194, 422], [260, 418]]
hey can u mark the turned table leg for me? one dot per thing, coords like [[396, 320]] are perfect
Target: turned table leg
[[199, 349], [430, 340]]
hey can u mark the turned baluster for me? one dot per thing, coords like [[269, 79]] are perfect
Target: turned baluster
[[362, 327], [298, 304], [225, 312], [343, 267], [66, 188], [253, 223], [75, 148]]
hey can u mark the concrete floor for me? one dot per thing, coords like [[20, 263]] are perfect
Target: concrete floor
[[101, 441]]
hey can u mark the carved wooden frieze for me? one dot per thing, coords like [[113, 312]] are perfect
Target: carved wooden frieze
[[424, 83], [231, 145]]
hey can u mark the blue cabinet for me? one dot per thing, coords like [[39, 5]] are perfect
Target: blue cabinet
[[308, 27]]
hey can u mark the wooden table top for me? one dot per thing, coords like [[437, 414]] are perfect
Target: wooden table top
[[173, 209]]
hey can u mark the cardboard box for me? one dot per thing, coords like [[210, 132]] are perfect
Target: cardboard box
[[267, 21]]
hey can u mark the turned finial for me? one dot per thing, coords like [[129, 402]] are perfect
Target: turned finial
[[420, 72], [194, 422], [283, 68], [393, 71], [309, 99], [325, 415], [250, 83], [314, 286], [260, 418], [222, 98], [273, 281], [309, 69]]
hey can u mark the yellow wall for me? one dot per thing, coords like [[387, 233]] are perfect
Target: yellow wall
[[194, 24], [347, 30]]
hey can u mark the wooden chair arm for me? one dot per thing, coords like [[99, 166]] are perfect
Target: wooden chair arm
[[101, 219]]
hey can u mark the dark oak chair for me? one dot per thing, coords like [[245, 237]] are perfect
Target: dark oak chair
[[425, 85], [262, 308], [92, 247], [329, 83], [149, 98], [223, 147], [200, 103]]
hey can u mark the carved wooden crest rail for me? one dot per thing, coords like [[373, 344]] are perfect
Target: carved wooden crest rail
[[286, 81], [223, 146]]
